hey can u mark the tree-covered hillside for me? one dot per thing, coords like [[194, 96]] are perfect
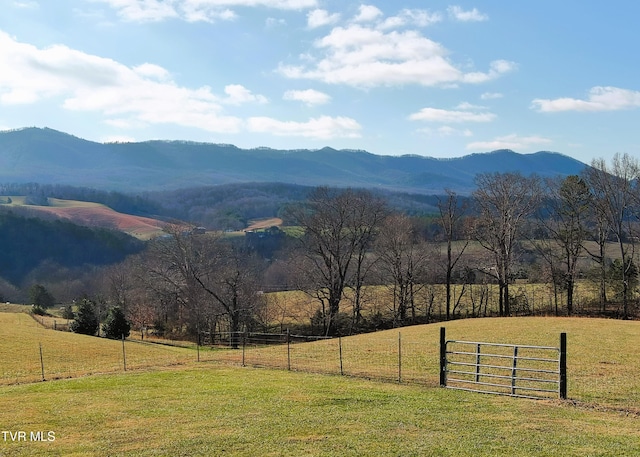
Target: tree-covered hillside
[[25, 243]]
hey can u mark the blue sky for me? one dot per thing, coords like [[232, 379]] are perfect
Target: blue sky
[[432, 78]]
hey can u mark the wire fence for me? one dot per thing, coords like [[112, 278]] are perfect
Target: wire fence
[[32, 353], [383, 356]]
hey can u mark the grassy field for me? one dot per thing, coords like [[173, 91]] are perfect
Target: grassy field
[[291, 308], [213, 408], [69, 355], [94, 215]]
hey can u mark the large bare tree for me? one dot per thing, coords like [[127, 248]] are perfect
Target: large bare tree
[[564, 220], [207, 275], [504, 201], [402, 261], [615, 189], [451, 214], [339, 227]]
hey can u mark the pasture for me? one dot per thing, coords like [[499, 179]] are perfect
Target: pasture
[[92, 215], [215, 408]]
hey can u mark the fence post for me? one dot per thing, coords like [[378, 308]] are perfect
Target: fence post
[[288, 350], [443, 357], [399, 358], [124, 355], [244, 345], [340, 353], [198, 345], [478, 362], [41, 363], [563, 366], [514, 370]]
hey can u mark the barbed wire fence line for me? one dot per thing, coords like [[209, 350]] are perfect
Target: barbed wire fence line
[[387, 357]]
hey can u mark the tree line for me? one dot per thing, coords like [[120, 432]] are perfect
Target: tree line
[[187, 282]]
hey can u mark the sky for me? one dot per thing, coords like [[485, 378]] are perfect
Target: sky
[[433, 78]]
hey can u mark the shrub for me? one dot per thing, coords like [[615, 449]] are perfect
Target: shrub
[[86, 321], [38, 310], [116, 326]]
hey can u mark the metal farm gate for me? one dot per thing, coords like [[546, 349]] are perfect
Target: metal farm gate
[[504, 369]]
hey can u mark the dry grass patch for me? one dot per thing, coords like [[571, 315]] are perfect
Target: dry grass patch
[[70, 355]]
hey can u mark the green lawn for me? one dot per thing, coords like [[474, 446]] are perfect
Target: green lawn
[[211, 410]]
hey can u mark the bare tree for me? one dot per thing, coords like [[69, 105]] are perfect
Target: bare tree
[[564, 223], [504, 200], [402, 262], [207, 275], [451, 214], [339, 227], [615, 188]]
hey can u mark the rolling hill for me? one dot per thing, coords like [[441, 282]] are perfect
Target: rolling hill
[[92, 215], [47, 156]]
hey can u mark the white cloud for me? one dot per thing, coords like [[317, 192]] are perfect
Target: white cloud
[[496, 69], [274, 22], [367, 13], [461, 15], [450, 131], [600, 99], [321, 128], [318, 18], [238, 94], [117, 139], [195, 10], [143, 11], [309, 97], [513, 141], [446, 116], [366, 56], [141, 95], [26, 4], [469, 106], [419, 18], [152, 71], [491, 96]]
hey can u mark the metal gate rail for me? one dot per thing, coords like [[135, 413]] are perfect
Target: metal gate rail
[[504, 369]]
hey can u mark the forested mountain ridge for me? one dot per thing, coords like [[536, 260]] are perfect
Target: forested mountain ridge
[[47, 156], [27, 242]]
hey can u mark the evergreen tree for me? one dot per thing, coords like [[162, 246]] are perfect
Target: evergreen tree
[[86, 321], [116, 326], [41, 297]]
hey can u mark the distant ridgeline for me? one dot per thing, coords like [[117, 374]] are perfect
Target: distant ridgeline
[[47, 156]]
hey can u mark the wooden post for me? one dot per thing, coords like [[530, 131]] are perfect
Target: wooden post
[[563, 366], [124, 355], [198, 345], [244, 345], [443, 357], [340, 351], [399, 358], [41, 362], [288, 350]]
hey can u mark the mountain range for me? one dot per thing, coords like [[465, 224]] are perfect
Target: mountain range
[[48, 156]]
